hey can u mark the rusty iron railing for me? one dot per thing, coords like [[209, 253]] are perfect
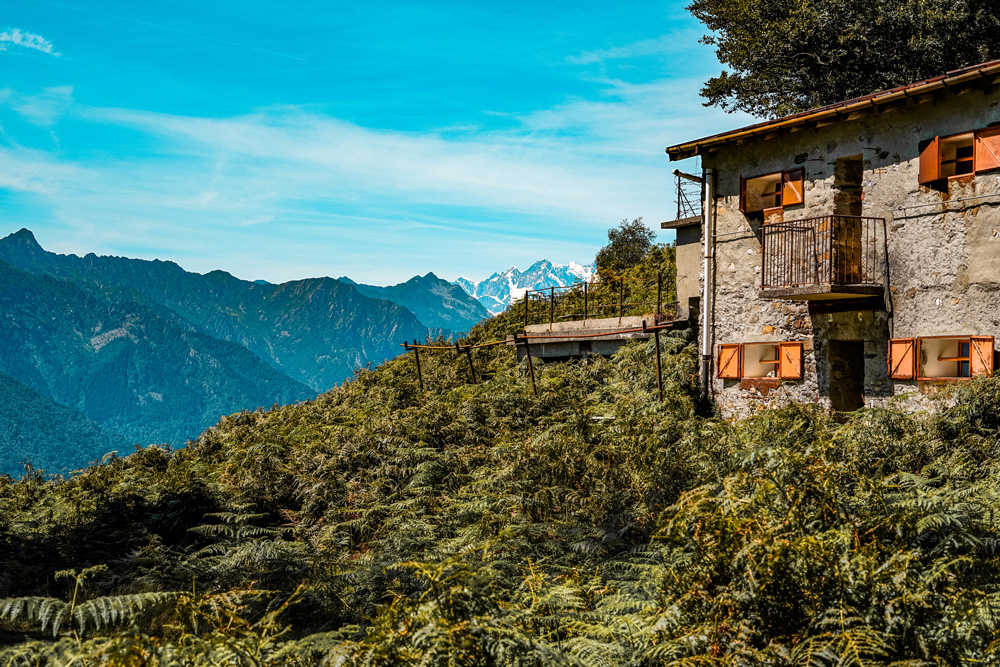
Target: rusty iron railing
[[825, 250], [595, 300]]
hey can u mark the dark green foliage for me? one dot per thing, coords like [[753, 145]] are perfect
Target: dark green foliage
[[35, 429], [788, 56], [628, 244], [479, 525]]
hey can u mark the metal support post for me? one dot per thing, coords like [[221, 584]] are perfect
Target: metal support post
[[472, 368], [531, 368], [416, 356], [659, 371]]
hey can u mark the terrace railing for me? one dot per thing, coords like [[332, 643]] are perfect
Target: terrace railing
[[598, 300], [823, 252]]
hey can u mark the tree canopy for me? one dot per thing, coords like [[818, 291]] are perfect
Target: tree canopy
[[628, 245], [784, 56]]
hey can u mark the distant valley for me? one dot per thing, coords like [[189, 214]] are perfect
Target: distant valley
[[109, 352]]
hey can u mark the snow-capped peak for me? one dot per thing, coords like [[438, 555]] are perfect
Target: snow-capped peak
[[505, 287]]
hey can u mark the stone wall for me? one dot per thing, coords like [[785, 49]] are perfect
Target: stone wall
[[944, 255]]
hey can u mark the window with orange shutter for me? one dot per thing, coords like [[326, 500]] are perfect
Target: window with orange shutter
[[959, 155], [771, 191], [728, 364], [792, 187], [940, 357], [981, 357], [738, 361], [902, 358], [987, 150], [930, 162], [790, 361]]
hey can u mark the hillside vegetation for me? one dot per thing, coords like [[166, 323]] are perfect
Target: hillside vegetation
[[479, 525]]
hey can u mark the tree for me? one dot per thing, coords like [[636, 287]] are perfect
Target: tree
[[628, 244], [790, 55]]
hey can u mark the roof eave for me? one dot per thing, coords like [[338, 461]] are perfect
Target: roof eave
[[700, 146]]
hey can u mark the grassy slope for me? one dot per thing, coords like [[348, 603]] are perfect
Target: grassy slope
[[480, 525]]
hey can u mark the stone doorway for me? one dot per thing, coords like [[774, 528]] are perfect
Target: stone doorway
[[847, 374]]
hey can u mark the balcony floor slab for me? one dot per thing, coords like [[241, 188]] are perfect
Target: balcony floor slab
[[824, 292]]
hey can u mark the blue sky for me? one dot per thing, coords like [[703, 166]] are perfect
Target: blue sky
[[377, 140]]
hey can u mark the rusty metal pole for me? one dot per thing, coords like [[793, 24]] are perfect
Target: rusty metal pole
[[526, 295], [416, 356], [458, 351], [552, 306], [472, 368], [531, 368], [659, 372], [585, 290]]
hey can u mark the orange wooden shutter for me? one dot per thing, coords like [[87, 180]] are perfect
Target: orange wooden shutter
[[981, 355], [930, 162], [728, 364], [792, 183], [903, 358], [987, 155], [790, 361], [743, 195]]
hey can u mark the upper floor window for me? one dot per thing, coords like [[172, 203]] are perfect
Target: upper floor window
[[772, 191], [959, 154]]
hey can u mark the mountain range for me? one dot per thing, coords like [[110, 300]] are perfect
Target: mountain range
[[505, 287], [123, 351], [436, 303]]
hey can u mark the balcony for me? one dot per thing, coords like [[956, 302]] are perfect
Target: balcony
[[829, 257]]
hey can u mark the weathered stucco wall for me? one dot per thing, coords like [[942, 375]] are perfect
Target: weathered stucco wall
[[944, 255], [688, 259]]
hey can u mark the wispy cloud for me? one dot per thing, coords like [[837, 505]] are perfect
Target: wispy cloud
[[647, 47], [26, 40], [245, 192], [43, 108]]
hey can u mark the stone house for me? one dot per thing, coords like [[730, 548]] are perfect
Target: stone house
[[849, 255]]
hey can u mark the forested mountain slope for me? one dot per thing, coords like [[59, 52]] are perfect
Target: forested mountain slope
[[316, 331], [437, 303], [481, 525], [52, 437], [139, 375]]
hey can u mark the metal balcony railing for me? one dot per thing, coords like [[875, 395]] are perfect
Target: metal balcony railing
[[824, 252], [619, 297]]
